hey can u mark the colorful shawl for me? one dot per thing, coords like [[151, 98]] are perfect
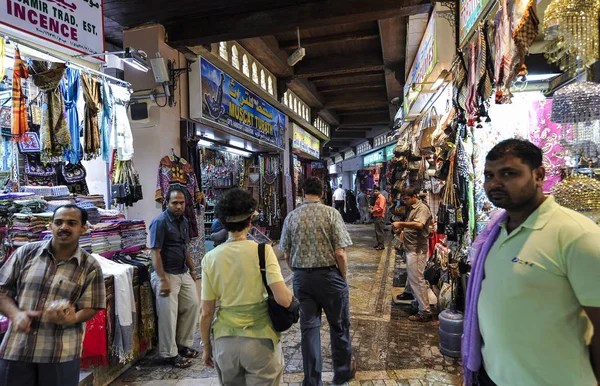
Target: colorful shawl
[[95, 352], [2, 56], [19, 107], [93, 101], [471, 340], [70, 89], [54, 131]]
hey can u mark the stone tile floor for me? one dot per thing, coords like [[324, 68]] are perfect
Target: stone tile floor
[[389, 350]]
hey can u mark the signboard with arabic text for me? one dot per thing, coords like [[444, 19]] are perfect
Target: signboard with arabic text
[[227, 102], [67, 25], [305, 143], [373, 158]]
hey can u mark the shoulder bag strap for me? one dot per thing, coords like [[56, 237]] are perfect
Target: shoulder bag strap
[[263, 269]]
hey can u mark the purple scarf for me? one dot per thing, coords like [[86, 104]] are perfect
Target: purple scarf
[[471, 341]]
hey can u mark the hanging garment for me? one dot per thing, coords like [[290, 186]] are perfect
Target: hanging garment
[[70, 87], [197, 246], [107, 121], [19, 107], [122, 138], [173, 171], [93, 102], [505, 52], [524, 35], [124, 306], [55, 136], [95, 350], [473, 77]]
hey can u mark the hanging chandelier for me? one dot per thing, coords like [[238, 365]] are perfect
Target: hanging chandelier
[[580, 193], [572, 25]]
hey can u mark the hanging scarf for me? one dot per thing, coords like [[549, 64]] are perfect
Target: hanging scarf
[[108, 120], [70, 90], [93, 102], [2, 56], [95, 351], [471, 341], [55, 137], [19, 107]]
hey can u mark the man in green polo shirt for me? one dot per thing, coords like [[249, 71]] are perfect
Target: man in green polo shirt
[[540, 289]]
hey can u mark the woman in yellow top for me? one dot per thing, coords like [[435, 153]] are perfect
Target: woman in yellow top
[[247, 350]]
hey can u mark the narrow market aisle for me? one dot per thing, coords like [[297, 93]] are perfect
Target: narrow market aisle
[[389, 350]]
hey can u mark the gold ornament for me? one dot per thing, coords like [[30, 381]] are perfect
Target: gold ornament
[[579, 193], [572, 25]]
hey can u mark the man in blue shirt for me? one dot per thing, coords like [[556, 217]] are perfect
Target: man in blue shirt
[[173, 280]]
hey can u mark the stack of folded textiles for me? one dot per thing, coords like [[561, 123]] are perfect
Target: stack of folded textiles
[[29, 205], [26, 228], [110, 215], [92, 211], [106, 237], [55, 204], [96, 199], [133, 233]]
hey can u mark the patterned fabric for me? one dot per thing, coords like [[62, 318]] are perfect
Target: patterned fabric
[[55, 136], [93, 102], [524, 36], [34, 279], [107, 122], [505, 51], [95, 350], [311, 234], [547, 135], [197, 247], [70, 88], [177, 171], [121, 138], [19, 107]]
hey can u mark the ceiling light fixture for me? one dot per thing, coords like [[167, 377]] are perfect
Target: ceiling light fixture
[[134, 58]]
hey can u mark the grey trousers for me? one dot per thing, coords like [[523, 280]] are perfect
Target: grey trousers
[[248, 361], [178, 314], [324, 289], [365, 214], [415, 267], [379, 231]]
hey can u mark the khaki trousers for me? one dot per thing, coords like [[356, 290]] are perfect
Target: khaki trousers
[[178, 314], [248, 361]]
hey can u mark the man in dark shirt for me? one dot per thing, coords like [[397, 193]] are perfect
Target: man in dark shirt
[[173, 280]]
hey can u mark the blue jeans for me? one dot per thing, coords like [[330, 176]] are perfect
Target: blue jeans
[[14, 373], [324, 289]]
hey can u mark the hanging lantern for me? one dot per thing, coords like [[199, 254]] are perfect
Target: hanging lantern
[[573, 26], [576, 103]]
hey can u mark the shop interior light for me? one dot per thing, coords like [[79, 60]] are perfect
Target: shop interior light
[[239, 152], [540, 77], [204, 143]]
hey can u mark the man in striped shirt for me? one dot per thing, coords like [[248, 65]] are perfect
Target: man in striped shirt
[[43, 343]]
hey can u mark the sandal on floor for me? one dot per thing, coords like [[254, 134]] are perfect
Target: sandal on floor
[[179, 362], [187, 352]]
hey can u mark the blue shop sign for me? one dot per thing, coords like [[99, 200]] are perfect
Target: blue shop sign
[[374, 157], [227, 102]]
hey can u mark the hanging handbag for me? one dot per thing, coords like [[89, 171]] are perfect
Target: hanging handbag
[[117, 189], [282, 318], [429, 126]]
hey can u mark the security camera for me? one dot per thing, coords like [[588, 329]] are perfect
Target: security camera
[[190, 57]]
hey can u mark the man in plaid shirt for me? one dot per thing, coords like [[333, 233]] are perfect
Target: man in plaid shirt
[[43, 343]]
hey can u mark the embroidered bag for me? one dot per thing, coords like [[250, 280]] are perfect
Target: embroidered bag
[[5, 114]]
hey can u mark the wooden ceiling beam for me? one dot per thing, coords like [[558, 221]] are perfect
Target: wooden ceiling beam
[[343, 113], [266, 50], [350, 87], [362, 119], [341, 135], [337, 65], [357, 101], [328, 39], [202, 27], [393, 47], [345, 77]]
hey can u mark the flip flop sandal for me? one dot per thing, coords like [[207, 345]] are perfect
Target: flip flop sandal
[[179, 362], [187, 352]]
